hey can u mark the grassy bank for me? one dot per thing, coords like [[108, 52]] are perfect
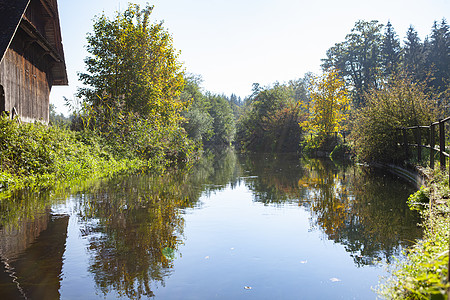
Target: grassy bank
[[35, 155], [423, 274]]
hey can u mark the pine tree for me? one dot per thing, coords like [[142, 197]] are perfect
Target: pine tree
[[390, 50], [414, 56], [439, 55], [233, 99]]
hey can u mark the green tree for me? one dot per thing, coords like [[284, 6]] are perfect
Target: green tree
[[269, 122], [133, 83], [224, 128], [413, 54], [133, 66], [210, 118], [439, 56], [198, 122], [391, 50], [328, 109], [55, 118], [358, 58]]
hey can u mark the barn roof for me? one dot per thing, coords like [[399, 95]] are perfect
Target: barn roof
[[11, 12], [15, 14]]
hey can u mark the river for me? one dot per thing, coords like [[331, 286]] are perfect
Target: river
[[233, 227]]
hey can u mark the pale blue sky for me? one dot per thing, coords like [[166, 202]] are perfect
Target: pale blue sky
[[234, 43]]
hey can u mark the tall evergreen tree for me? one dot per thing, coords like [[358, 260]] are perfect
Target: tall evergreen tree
[[240, 101], [439, 55], [233, 99], [391, 50], [413, 54]]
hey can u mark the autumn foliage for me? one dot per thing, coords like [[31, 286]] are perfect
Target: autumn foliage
[[327, 109]]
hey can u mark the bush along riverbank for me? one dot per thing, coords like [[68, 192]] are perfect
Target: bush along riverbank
[[424, 272], [35, 155]]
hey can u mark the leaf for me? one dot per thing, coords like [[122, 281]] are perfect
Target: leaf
[[168, 253]]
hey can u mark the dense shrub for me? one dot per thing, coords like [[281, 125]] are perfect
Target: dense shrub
[[398, 103], [35, 154], [128, 135]]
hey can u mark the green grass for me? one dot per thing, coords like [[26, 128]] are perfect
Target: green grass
[[423, 275], [35, 155]]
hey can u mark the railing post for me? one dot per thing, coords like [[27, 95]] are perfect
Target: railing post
[[432, 142], [405, 143], [419, 145], [442, 144]]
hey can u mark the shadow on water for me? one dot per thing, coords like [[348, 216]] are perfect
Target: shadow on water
[[134, 226]]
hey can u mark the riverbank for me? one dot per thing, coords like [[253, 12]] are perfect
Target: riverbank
[[39, 156], [424, 273]]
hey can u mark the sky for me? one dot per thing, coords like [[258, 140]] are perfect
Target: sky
[[235, 43]]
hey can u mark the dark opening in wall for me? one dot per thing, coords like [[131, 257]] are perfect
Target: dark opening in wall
[[2, 100]]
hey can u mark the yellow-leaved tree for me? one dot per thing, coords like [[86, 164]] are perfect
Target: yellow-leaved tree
[[132, 85], [133, 67], [328, 107]]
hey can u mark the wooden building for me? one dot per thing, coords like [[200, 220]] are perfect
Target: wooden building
[[31, 57]]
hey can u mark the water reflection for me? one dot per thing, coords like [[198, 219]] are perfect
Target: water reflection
[[273, 178], [359, 207], [128, 224], [216, 170], [31, 255], [134, 226]]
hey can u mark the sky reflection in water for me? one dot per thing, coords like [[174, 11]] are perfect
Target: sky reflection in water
[[258, 227]]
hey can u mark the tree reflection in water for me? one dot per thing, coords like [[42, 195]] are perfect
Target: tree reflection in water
[[135, 225], [361, 208]]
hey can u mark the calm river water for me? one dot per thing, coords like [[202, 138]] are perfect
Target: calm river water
[[234, 227]]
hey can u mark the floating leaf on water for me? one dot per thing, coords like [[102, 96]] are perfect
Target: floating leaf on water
[[168, 253], [334, 279], [247, 287]]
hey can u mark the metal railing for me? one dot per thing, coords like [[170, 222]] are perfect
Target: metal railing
[[432, 134]]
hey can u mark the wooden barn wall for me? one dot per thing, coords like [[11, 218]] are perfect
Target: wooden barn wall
[[26, 82]]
